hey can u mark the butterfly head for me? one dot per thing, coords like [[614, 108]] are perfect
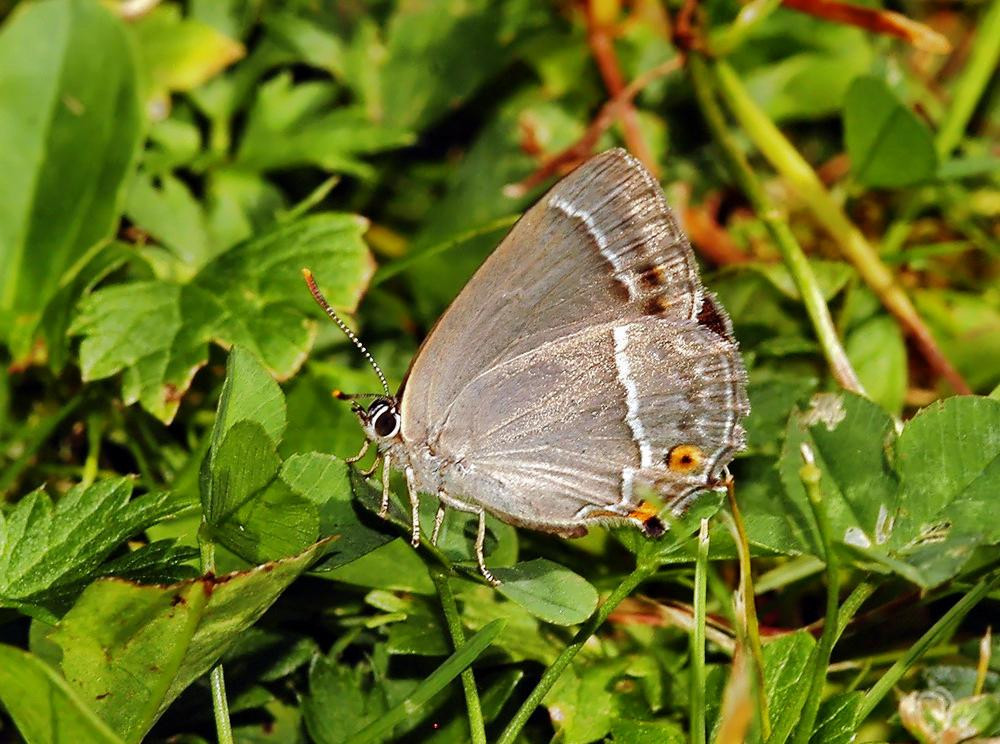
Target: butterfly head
[[381, 420]]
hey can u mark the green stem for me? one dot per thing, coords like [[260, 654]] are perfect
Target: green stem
[[810, 476], [976, 75], [751, 15], [791, 252], [477, 727], [751, 627], [642, 572], [858, 596], [939, 630], [803, 179], [698, 735], [220, 704]]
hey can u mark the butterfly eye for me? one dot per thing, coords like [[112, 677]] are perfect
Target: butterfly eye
[[385, 423]]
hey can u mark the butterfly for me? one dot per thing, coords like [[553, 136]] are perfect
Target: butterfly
[[583, 366]]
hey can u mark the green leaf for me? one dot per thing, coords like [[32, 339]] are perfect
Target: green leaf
[[249, 394], [58, 99], [47, 553], [295, 125], [581, 703], [468, 39], [43, 706], [171, 214], [835, 722], [548, 591], [250, 511], [331, 486], [133, 649], [786, 663], [888, 145], [878, 354], [624, 731], [181, 53], [967, 327], [918, 504], [339, 702], [252, 295], [848, 435], [949, 464]]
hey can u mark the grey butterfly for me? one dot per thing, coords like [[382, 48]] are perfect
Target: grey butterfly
[[582, 366]]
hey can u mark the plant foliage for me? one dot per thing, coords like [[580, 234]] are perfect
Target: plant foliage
[[187, 551]]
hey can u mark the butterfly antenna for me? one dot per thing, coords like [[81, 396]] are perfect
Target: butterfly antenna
[[321, 301]]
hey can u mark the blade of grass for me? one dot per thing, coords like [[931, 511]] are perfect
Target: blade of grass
[[34, 437], [975, 76], [642, 572], [939, 630], [810, 476], [437, 681], [803, 179], [698, 638], [791, 252], [477, 728], [746, 599]]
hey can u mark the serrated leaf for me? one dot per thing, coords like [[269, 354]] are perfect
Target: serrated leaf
[[59, 99], [133, 649], [157, 332], [888, 145], [44, 707], [548, 591], [48, 552], [294, 125]]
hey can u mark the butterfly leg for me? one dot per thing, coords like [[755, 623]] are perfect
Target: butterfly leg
[[383, 510], [364, 449], [411, 489], [480, 535], [438, 520], [480, 542]]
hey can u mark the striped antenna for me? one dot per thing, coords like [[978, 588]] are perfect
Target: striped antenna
[[321, 301]]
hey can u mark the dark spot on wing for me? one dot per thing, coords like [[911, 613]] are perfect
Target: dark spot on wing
[[712, 317], [655, 305], [653, 527], [651, 276]]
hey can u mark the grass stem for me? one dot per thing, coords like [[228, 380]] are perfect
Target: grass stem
[[220, 703], [642, 572], [791, 252], [449, 608], [939, 630], [975, 76], [803, 179], [698, 735], [751, 627], [810, 476]]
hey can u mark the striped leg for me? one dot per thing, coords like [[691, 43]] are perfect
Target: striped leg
[[480, 535], [411, 490], [364, 449], [384, 508], [438, 520]]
